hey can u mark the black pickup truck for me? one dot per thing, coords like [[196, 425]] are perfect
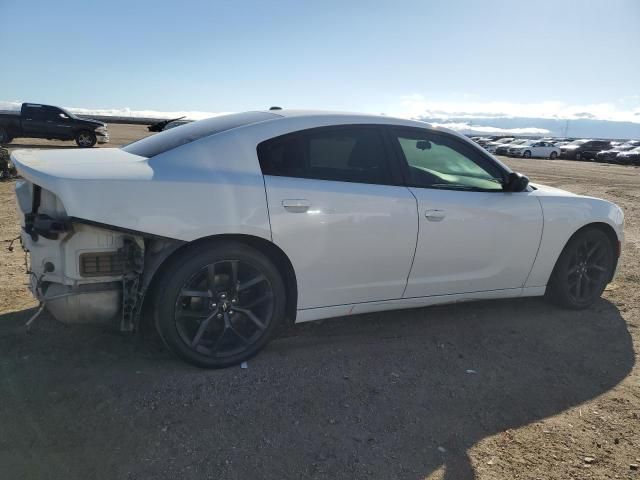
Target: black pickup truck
[[53, 123]]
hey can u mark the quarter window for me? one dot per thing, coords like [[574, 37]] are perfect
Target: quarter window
[[345, 154], [442, 161]]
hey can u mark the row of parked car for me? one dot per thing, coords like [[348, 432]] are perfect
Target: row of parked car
[[619, 152]]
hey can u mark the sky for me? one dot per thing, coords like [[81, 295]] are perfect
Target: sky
[[468, 62]]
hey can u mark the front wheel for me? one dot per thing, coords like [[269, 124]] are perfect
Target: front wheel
[[219, 303], [86, 139], [583, 270], [527, 154], [553, 156]]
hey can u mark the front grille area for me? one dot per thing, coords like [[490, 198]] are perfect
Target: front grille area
[[101, 264]]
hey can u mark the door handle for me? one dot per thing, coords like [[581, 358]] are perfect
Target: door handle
[[296, 205], [434, 215]]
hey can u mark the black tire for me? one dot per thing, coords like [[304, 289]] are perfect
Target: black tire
[[86, 139], [527, 154], [583, 270], [208, 318], [553, 155]]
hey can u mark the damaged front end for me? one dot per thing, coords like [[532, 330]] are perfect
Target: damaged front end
[[79, 271]]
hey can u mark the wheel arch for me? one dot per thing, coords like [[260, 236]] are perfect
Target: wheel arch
[[605, 228], [165, 251]]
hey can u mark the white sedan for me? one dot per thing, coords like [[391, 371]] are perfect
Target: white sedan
[[534, 148], [225, 229]]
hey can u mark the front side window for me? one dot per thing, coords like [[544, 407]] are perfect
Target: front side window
[[345, 154], [443, 161]]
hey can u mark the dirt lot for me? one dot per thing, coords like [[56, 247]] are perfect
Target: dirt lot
[[492, 390]]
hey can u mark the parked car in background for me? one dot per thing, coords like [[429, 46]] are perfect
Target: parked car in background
[[492, 146], [304, 204], [584, 149], [160, 126], [504, 148], [53, 123], [609, 156], [175, 123], [630, 157], [534, 149]]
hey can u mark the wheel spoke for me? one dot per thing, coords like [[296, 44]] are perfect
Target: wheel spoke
[[257, 301], [595, 247], [211, 277], [234, 274], [600, 268], [229, 326], [572, 270], [195, 293], [201, 329], [250, 283], [252, 316], [579, 287]]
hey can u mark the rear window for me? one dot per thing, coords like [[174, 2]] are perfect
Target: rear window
[[169, 139]]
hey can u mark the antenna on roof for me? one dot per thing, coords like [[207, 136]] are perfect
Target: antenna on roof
[[275, 108]]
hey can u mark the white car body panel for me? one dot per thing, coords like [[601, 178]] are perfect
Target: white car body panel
[[354, 248], [362, 237], [565, 213], [479, 241]]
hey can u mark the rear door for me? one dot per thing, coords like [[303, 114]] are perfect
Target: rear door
[[338, 210], [473, 236], [33, 118]]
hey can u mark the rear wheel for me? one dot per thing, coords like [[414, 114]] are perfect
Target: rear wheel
[[86, 139], [218, 304], [553, 155], [583, 270], [4, 136], [527, 154]]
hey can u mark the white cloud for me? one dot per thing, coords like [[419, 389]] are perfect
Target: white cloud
[[416, 106]]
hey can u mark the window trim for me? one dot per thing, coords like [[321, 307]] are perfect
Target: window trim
[[484, 160], [396, 176]]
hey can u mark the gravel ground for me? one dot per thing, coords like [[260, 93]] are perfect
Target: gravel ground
[[490, 390]]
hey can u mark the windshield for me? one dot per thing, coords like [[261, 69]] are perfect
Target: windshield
[[169, 139]]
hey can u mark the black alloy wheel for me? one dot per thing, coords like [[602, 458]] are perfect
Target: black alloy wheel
[[221, 306], [583, 269], [86, 139]]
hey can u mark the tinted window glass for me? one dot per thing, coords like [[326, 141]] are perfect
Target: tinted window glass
[[175, 137], [442, 161], [346, 154], [34, 112]]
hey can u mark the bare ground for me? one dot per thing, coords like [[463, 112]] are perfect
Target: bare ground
[[491, 390]]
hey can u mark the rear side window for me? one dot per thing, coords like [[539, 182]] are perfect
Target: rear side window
[[175, 137], [344, 154]]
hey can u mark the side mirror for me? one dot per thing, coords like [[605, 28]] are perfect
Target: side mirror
[[515, 183], [423, 145]]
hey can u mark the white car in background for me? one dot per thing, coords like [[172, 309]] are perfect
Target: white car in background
[[534, 149], [492, 146], [227, 228]]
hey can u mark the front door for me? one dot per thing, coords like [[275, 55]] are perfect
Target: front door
[[473, 236], [339, 212]]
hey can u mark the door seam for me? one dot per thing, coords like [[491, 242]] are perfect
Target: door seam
[[415, 248]]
